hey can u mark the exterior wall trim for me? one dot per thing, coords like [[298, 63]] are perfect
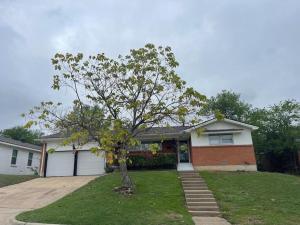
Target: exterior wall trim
[[19, 146], [221, 146], [227, 168]]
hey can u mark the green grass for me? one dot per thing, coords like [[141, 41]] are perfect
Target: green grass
[[6, 180], [158, 200], [256, 198]]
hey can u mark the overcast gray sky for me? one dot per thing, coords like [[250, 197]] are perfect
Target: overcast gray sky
[[250, 46]]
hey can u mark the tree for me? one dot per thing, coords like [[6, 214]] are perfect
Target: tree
[[275, 141], [279, 128], [22, 134], [131, 94], [229, 104]]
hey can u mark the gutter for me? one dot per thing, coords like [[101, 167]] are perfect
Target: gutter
[[18, 146]]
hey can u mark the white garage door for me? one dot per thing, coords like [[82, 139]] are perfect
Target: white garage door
[[60, 164], [89, 163]]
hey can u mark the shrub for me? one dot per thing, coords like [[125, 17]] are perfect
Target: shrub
[[157, 161], [109, 169]]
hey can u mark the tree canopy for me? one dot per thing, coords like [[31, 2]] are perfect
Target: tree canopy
[[124, 95], [22, 134], [279, 129], [229, 104]]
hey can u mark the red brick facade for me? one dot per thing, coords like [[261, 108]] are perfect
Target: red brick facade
[[223, 155]]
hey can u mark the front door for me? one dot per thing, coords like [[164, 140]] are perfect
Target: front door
[[184, 154]]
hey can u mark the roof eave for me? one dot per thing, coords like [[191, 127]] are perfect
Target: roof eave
[[19, 146], [251, 127]]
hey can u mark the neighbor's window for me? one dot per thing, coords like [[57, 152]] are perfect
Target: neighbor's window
[[221, 139], [30, 156], [146, 146], [14, 157]]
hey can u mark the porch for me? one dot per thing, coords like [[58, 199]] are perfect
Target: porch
[[180, 148]]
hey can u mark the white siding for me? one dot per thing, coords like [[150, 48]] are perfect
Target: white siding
[[242, 138], [21, 167], [90, 164], [219, 125], [57, 145], [60, 164]]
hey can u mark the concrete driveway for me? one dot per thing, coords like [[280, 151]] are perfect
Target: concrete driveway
[[35, 194]]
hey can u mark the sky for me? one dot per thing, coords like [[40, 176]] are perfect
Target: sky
[[250, 47]]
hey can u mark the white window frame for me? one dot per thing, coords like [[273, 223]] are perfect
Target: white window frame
[[14, 157], [219, 139], [30, 159]]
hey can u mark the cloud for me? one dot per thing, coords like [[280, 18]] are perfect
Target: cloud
[[249, 47]]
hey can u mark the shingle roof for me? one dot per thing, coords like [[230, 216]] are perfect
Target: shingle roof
[[56, 135], [146, 132], [164, 130], [19, 143]]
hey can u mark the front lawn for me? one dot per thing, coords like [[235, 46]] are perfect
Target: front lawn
[[158, 200], [256, 198], [6, 180]]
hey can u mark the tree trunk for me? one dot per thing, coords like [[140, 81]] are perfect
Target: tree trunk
[[126, 181]]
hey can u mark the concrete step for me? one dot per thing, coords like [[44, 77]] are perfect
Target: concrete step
[[188, 172], [195, 188], [197, 192], [205, 213], [203, 208], [200, 200], [202, 204], [194, 185], [192, 181], [189, 184], [199, 195], [191, 171], [189, 175]]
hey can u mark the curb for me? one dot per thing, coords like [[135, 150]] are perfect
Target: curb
[[17, 222]]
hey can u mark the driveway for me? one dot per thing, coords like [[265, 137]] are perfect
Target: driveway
[[35, 194]]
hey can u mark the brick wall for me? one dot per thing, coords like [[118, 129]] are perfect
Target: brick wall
[[223, 155]]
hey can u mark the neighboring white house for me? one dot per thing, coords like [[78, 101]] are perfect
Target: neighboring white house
[[18, 158]]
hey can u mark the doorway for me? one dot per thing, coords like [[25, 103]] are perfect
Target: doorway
[[184, 153]]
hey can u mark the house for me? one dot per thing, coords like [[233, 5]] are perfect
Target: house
[[18, 158], [220, 145]]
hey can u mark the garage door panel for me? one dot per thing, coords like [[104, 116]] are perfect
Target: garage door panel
[[89, 163], [60, 164]]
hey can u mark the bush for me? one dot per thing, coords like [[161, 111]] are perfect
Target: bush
[[158, 161], [109, 169]]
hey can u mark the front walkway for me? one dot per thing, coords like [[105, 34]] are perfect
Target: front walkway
[[36, 193], [199, 200], [210, 221]]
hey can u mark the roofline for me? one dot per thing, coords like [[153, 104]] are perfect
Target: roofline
[[20, 146], [50, 139], [251, 127], [144, 136]]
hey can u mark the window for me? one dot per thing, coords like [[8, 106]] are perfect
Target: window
[[221, 139], [14, 157], [30, 156], [146, 146]]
